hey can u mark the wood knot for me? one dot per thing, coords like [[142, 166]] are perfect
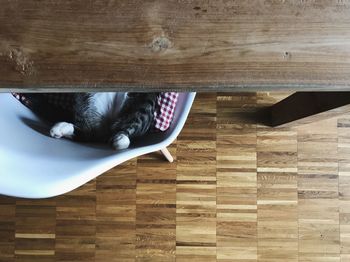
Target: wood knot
[[160, 44], [20, 61], [287, 55]]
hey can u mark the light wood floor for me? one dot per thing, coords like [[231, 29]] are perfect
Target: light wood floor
[[237, 191]]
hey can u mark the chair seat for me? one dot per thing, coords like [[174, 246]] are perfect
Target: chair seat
[[34, 165]]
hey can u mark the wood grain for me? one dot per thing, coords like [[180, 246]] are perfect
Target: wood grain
[[184, 45], [344, 182], [277, 196], [116, 214], [236, 179], [156, 208], [33, 239], [196, 185], [237, 191], [7, 228], [76, 225], [318, 183]]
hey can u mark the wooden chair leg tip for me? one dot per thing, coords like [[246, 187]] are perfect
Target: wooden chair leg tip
[[167, 155]]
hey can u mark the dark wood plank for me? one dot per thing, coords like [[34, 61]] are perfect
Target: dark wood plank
[[307, 107], [174, 44], [7, 228], [35, 235]]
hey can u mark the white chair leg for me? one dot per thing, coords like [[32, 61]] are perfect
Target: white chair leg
[[167, 154]]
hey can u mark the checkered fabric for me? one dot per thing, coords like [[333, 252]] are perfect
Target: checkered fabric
[[58, 100], [165, 110], [163, 115], [22, 99]]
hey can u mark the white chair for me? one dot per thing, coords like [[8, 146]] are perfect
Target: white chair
[[34, 165]]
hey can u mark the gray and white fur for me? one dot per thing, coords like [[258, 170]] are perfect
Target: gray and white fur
[[114, 118]]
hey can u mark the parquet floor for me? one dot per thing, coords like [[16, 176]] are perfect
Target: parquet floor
[[238, 191]]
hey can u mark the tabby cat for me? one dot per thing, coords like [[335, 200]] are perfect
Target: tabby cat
[[114, 118]]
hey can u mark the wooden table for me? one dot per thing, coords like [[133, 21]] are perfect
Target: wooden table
[[200, 45]]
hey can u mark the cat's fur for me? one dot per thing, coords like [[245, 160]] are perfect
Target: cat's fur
[[114, 118]]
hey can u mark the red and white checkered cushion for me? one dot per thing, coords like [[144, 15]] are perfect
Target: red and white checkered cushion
[[166, 103], [163, 115]]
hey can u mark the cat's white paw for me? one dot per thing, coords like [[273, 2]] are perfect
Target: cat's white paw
[[62, 129], [121, 141]]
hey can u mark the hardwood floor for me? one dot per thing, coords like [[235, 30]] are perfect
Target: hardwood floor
[[237, 191]]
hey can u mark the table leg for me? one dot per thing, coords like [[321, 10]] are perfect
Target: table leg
[[306, 107]]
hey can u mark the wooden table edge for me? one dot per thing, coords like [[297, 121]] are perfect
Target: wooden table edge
[[176, 88]]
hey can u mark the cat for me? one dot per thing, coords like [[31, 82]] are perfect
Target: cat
[[114, 118]]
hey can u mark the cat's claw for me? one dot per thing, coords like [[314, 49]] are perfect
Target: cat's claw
[[121, 141], [62, 129]]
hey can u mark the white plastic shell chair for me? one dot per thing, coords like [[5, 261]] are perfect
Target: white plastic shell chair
[[34, 165]]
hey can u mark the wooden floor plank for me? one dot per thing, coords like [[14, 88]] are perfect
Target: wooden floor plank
[[7, 228], [236, 178], [196, 184], [76, 224], [237, 191], [318, 207], [116, 214], [344, 186], [156, 208], [35, 230], [277, 195]]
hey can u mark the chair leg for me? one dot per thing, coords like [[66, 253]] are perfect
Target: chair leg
[[167, 154]]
